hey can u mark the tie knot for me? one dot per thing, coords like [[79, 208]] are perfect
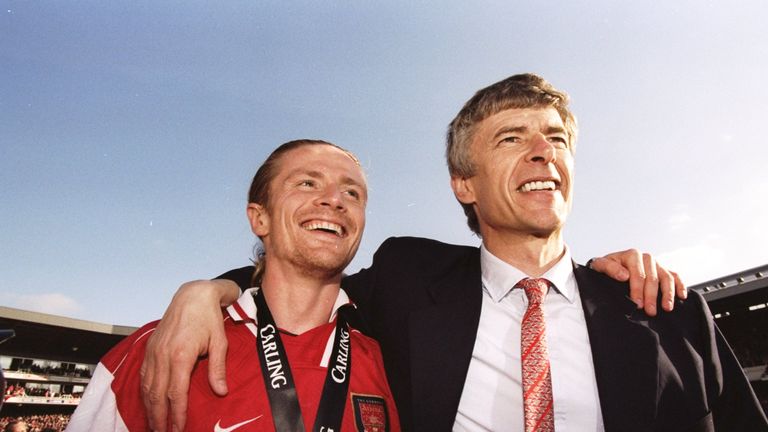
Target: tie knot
[[535, 289]]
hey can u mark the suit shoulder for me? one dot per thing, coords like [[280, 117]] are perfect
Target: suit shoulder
[[416, 247], [599, 285], [602, 284], [694, 305]]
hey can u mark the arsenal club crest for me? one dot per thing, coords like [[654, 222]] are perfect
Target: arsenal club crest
[[370, 413]]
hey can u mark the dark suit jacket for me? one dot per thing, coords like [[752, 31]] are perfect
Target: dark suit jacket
[[422, 299]]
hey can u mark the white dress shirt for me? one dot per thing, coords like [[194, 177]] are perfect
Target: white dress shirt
[[492, 399]]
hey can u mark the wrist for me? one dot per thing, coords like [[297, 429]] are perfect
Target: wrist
[[219, 292], [228, 291]]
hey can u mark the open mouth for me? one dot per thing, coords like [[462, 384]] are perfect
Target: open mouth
[[545, 185], [325, 226]]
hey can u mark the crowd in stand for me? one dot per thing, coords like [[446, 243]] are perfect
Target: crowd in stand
[[22, 391], [13, 390], [19, 390], [55, 371], [35, 423]]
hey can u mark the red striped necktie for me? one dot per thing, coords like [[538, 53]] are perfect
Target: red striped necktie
[[537, 380]]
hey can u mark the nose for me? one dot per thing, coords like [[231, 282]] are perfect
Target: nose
[[541, 150], [331, 197]]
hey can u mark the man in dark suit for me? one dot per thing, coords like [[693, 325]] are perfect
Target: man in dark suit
[[449, 318], [670, 372], [510, 152]]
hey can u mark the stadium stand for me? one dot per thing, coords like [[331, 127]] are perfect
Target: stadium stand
[[48, 364], [50, 360]]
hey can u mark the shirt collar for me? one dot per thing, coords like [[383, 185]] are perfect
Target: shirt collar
[[245, 307], [499, 277]]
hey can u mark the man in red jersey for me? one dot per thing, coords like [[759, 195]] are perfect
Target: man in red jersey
[[300, 366]]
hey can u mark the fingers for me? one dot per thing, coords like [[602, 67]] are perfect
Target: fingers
[[671, 286], [184, 334], [647, 279], [610, 266], [623, 266], [179, 386], [680, 289], [633, 261], [217, 353], [666, 288], [154, 384], [165, 387], [651, 285], [626, 265]]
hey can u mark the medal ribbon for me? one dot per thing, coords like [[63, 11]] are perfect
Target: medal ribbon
[[278, 380]]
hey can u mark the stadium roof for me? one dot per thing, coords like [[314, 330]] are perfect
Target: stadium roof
[[736, 293], [53, 337]]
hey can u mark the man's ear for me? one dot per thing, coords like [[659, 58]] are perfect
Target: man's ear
[[463, 189], [259, 219]]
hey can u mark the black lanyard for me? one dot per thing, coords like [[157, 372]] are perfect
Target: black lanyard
[[278, 380]]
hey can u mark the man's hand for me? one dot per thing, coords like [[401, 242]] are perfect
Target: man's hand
[[646, 278], [191, 327]]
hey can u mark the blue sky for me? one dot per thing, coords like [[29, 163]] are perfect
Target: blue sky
[[129, 131]]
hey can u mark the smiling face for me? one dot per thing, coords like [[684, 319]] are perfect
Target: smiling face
[[522, 184], [315, 215]]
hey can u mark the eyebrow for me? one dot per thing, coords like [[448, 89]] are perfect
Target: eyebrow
[[522, 129], [555, 129], [347, 180], [510, 129]]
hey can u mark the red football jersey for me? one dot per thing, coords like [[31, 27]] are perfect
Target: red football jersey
[[113, 401]]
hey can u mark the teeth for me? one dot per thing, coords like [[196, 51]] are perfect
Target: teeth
[[325, 226], [538, 185]]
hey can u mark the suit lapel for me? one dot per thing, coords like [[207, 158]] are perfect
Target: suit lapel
[[442, 338], [624, 352]]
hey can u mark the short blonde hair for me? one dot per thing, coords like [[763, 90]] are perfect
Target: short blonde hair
[[518, 91]]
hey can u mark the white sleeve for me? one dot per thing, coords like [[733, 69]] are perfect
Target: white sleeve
[[97, 410]]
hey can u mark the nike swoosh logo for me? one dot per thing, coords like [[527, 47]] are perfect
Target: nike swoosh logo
[[218, 427]]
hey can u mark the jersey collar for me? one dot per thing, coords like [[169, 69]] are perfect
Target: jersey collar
[[244, 309]]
